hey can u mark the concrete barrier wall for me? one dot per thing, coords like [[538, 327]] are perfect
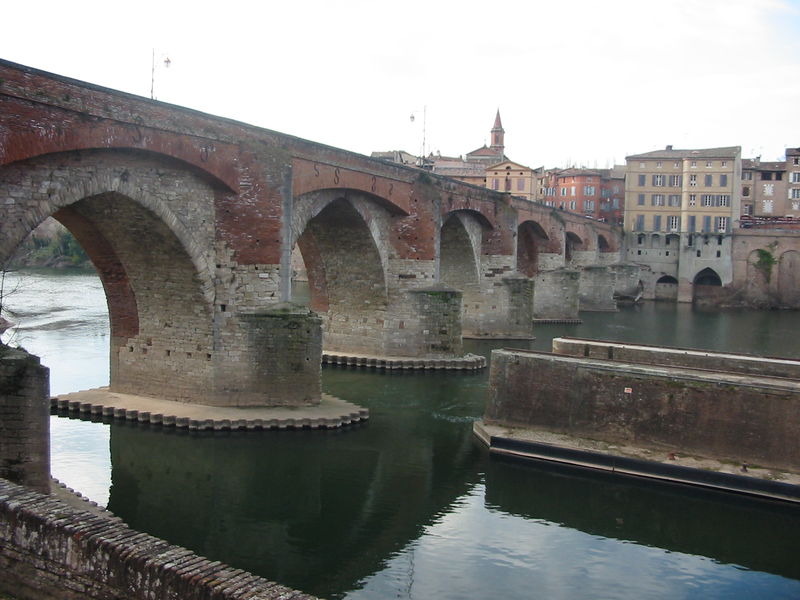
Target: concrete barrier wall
[[724, 416], [679, 357], [50, 551]]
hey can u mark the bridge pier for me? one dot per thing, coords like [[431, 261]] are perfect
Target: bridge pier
[[24, 419], [597, 289], [556, 295], [503, 310]]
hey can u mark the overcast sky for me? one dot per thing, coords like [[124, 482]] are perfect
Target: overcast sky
[[576, 81]]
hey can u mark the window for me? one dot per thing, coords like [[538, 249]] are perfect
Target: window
[[796, 160], [572, 190], [677, 164], [692, 225], [692, 199], [642, 180], [588, 190], [796, 177], [640, 200], [640, 237], [573, 204], [723, 180], [747, 176], [721, 224], [778, 176], [657, 223], [693, 180], [657, 200], [673, 223], [495, 183], [675, 180], [709, 181], [795, 205], [747, 209], [715, 200], [615, 203], [658, 180], [508, 185], [641, 165], [674, 200], [563, 191], [746, 190], [766, 206], [706, 224], [765, 176], [794, 193], [520, 185], [588, 206], [724, 163], [639, 223], [659, 164], [709, 164], [707, 200], [769, 189]]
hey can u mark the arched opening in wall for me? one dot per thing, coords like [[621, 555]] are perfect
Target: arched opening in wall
[[531, 240], [707, 287], [572, 243], [602, 244], [757, 281], [666, 288], [346, 281], [459, 249], [156, 329], [655, 241], [789, 279]]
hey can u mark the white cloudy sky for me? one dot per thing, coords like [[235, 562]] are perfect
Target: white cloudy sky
[[576, 81]]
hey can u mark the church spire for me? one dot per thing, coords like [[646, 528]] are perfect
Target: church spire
[[498, 135]]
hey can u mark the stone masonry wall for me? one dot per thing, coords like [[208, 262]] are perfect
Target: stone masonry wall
[[597, 289], [679, 357], [24, 419], [51, 551], [726, 416], [555, 295]]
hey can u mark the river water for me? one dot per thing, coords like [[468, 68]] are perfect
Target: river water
[[410, 505]]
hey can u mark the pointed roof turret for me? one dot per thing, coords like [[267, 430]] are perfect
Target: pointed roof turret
[[498, 135]]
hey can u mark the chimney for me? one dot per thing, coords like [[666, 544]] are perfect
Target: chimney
[[669, 147]]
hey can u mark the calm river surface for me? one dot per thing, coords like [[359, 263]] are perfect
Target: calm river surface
[[410, 505]]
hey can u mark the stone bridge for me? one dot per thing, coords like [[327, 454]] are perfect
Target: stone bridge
[[191, 221]]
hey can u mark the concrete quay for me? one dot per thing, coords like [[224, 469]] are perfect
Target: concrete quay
[[331, 413], [635, 460]]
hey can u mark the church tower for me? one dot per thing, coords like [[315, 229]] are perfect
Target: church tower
[[498, 135]]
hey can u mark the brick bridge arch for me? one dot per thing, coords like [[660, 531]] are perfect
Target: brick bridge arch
[[129, 211], [533, 240], [339, 235]]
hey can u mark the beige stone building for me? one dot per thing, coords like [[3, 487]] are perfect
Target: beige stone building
[[690, 191], [514, 178], [681, 207]]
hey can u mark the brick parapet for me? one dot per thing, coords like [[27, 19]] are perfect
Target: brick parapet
[[49, 551]]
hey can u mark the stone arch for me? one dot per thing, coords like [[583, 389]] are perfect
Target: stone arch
[[666, 288], [531, 239], [789, 279], [346, 269], [133, 215], [572, 243], [757, 282], [602, 243], [707, 287]]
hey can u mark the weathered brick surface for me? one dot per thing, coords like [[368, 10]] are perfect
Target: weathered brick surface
[[726, 416], [24, 419], [51, 551]]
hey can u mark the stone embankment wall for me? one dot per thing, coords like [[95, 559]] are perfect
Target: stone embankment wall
[[726, 416], [50, 551], [679, 357], [24, 419]]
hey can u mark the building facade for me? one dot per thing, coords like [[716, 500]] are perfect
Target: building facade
[[681, 207]]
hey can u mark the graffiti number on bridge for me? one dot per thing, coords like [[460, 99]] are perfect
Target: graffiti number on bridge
[[374, 183], [336, 175]]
